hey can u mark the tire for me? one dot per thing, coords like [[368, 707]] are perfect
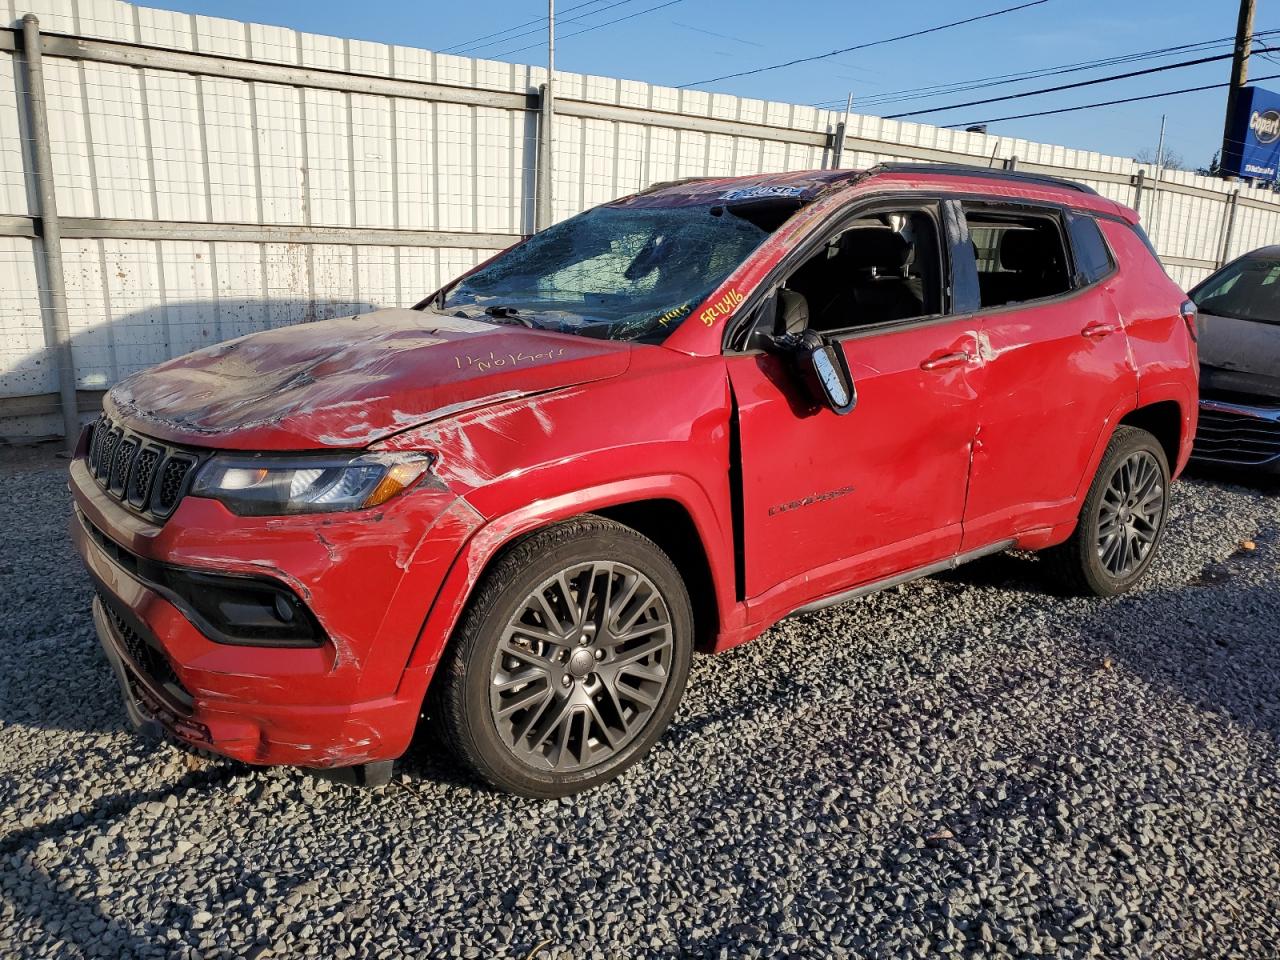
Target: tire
[[1091, 563], [543, 699]]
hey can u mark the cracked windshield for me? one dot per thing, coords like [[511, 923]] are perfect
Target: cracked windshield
[[613, 272]]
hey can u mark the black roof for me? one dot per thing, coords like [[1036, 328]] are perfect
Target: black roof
[[990, 173]]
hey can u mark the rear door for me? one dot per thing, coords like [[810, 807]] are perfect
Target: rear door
[[1057, 365]]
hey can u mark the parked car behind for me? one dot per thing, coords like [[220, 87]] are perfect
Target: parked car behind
[[1239, 329], [658, 427]]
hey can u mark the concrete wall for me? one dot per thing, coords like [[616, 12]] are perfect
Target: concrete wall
[[239, 190]]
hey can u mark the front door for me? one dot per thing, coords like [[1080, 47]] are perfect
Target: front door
[[829, 502]]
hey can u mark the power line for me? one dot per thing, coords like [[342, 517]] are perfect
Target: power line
[[1070, 86], [452, 48], [980, 83], [597, 26], [1105, 103], [865, 46], [538, 30], [712, 33]]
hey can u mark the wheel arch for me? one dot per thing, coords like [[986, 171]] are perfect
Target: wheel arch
[[672, 511], [668, 524], [1162, 419], [1164, 413]]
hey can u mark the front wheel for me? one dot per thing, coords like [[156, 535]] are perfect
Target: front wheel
[[1122, 520], [570, 660]]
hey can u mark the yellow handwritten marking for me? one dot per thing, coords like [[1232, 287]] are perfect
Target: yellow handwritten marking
[[721, 308], [501, 361], [675, 314]]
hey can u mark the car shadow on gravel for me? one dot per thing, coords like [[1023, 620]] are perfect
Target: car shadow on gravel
[[1017, 570], [1233, 476], [51, 905], [1208, 650]]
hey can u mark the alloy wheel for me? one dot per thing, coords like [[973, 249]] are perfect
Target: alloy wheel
[[581, 666], [1130, 515]]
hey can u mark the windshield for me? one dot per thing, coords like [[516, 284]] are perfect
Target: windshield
[[617, 273], [1245, 290]]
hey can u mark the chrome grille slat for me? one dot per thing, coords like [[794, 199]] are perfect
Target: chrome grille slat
[[1236, 438]]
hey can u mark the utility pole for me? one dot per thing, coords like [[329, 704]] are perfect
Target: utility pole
[[1155, 212], [841, 133], [546, 143], [1239, 69]]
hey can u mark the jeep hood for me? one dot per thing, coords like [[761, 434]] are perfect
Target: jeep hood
[[351, 382]]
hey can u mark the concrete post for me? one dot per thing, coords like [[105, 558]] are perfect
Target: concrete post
[[50, 231]]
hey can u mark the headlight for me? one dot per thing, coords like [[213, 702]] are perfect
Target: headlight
[[274, 486]]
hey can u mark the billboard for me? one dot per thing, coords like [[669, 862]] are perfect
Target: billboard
[[1254, 150]]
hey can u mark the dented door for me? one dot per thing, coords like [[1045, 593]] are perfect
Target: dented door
[[1056, 374]]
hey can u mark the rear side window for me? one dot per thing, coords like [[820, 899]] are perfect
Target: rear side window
[[1020, 257], [1093, 259]]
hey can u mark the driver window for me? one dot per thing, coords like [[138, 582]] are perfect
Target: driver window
[[885, 268]]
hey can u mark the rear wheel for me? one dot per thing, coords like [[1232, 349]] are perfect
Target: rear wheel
[[570, 660], [1122, 520]]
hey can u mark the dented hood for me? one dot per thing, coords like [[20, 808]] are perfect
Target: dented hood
[[353, 381]]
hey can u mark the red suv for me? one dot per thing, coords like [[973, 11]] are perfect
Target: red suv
[[658, 427]]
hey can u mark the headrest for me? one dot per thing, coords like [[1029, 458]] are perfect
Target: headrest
[[879, 247], [793, 309], [1028, 250]]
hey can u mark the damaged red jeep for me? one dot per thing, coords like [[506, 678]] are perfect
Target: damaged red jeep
[[517, 509]]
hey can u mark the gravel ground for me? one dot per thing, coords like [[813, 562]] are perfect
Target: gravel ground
[[967, 765]]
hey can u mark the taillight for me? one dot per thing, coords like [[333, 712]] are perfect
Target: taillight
[[1189, 313]]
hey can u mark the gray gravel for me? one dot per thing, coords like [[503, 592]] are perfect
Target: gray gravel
[[967, 765]]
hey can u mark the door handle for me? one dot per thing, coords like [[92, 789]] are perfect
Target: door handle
[[947, 360], [1096, 331]]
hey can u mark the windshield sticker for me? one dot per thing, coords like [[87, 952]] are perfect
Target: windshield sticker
[[495, 361], [777, 191], [721, 308], [675, 314]]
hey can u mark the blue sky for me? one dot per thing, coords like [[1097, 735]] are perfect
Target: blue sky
[[692, 40]]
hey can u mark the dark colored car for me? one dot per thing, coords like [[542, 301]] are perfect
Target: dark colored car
[[658, 427], [1239, 333]]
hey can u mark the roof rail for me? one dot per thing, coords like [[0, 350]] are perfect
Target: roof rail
[[964, 170]]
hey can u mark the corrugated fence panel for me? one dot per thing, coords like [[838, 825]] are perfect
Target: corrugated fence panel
[[118, 141], [24, 367], [415, 172], [89, 314], [373, 153], [155, 144], [190, 304], [281, 156], [174, 134], [229, 149], [69, 140], [13, 188]]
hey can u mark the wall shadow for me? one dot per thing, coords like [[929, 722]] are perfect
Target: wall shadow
[[136, 340]]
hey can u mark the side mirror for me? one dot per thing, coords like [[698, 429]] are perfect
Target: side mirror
[[824, 371]]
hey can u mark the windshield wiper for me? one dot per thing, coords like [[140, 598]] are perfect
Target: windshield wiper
[[501, 312]]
